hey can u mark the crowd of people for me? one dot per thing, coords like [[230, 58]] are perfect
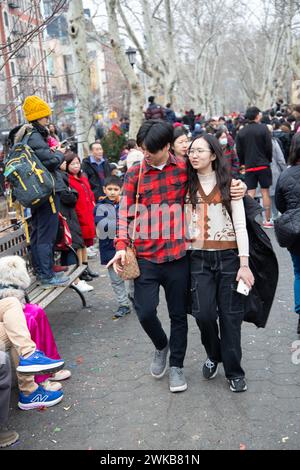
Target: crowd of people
[[203, 166]]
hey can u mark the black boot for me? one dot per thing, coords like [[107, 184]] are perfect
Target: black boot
[[85, 276], [298, 328], [90, 272]]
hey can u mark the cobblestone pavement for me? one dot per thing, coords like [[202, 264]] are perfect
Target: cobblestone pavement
[[112, 402]]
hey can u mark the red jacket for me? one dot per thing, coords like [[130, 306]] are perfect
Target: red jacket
[[84, 206]]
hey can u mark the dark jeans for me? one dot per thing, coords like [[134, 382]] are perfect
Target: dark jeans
[[173, 276], [296, 264], [213, 289], [43, 237]]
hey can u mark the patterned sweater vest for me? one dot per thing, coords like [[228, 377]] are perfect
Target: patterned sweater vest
[[209, 226]]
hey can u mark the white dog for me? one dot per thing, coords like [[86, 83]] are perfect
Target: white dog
[[14, 278]]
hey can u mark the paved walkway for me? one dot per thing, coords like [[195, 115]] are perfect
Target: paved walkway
[[112, 402]]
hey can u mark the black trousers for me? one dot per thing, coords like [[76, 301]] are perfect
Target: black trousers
[[214, 296], [173, 276]]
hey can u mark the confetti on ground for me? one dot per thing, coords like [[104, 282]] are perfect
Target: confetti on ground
[[57, 430], [242, 447], [42, 408], [52, 440], [67, 408], [79, 360], [76, 334], [284, 439]]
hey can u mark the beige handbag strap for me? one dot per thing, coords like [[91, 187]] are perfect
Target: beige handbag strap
[[137, 196]]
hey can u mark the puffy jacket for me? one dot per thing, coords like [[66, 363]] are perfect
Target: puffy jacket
[[170, 115], [278, 164], [287, 196], [154, 111], [50, 159], [107, 210], [254, 145], [84, 206], [91, 172], [285, 140], [68, 198]]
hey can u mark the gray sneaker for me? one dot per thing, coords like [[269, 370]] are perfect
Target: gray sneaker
[[177, 380], [159, 364]]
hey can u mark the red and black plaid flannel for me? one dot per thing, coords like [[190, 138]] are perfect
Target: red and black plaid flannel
[[160, 220]]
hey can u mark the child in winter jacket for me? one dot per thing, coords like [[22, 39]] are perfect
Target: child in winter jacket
[[84, 209], [106, 214]]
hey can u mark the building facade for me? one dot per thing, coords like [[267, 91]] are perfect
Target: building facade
[[109, 89], [23, 68]]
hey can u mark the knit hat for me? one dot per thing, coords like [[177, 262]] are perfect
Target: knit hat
[[35, 108]]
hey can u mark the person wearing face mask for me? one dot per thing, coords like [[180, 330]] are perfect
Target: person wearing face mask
[[180, 142], [229, 153]]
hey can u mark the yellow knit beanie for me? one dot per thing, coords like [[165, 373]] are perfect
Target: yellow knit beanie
[[35, 108]]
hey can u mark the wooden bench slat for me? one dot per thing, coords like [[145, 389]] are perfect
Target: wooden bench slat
[[13, 235], [14, 243], [56, 291], [19, 250]]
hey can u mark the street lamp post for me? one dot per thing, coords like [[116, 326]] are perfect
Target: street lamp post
[[131, 54]]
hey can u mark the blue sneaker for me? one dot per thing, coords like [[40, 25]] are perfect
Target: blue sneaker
[[39, 398], [38, 363], [55, 282]]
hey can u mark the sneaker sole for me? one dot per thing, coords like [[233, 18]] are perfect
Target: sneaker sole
[[214, 374], [10, 442], [160, 375], [35, 369], [237, 391], [180, 388], [41, 404]]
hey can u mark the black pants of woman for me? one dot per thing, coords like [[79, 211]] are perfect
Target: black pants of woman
[[214, 297]]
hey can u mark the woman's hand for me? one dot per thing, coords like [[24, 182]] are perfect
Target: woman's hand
[[238, 190], [245, 273]]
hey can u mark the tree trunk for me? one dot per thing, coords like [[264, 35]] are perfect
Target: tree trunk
[[137, 97], [81, 77]]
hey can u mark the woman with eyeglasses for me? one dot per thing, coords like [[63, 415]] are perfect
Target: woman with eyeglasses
[[219, 256]]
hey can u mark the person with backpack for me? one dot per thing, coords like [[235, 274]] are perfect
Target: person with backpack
[[154, 110], [44, 218]]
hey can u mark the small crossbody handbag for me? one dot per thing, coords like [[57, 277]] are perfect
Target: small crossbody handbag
[[131, 268]]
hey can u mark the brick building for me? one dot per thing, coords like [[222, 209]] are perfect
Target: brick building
[[22, 63]]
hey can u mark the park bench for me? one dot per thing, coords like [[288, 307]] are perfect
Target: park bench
[[13, 242]]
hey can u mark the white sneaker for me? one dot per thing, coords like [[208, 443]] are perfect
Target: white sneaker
[[83, 286], [62, 374], [91, 253], [51, 386]]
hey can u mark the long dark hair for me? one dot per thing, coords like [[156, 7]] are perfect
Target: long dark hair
[[219, 166], [294, 157]]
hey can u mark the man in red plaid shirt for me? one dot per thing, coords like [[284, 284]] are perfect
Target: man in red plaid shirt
[[160, 245]]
